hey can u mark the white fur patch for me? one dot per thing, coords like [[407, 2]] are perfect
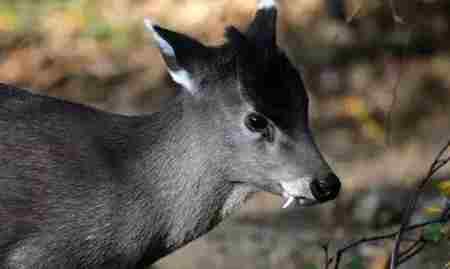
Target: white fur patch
[[183, 78], [298, 188], [180, 76], [267, 4], [165, 47]]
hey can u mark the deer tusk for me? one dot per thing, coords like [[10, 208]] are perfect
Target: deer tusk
[[288, 202]]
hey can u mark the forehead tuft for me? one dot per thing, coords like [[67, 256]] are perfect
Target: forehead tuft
[[270, 83]]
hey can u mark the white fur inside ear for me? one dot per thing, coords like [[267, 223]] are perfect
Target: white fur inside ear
[[180, 76], [267, 4], [165, 47], [183, 78]]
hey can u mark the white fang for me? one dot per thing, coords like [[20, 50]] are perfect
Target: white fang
[[288, 202]]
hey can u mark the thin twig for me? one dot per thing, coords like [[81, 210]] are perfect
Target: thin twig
[[440, 164], [437, 163], [435, 166], [392, 106], [326, 248], [411, 248], [416, 251], [340, 252], [397, 83], [395, 15]]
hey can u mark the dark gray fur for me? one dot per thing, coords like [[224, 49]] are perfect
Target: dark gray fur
[[83, 188]]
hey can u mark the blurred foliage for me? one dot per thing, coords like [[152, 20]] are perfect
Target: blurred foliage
[[381, 90], [310, 266], [75, 48], [356, 263], [444, 188], [434, 232], [435, 210]]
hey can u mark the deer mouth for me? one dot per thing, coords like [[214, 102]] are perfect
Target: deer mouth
[[298, 201], [308, 191], [303, 191], [297, 192]]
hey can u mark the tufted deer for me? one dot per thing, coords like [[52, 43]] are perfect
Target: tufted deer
[[82, 188]]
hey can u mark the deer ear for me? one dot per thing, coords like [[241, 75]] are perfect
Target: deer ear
[[263, 28], [179, 52]]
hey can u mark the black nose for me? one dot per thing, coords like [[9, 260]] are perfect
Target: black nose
[[326, 189]]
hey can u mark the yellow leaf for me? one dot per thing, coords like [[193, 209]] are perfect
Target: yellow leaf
[[433, 210], [7, 22], [374, 130], [356, 107], [444, 187]]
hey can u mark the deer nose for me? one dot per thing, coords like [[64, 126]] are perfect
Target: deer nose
[[326, 189]]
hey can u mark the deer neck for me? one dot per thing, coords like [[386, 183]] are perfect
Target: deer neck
[[173, 191]]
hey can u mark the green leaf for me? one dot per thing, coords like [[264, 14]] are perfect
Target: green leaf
[[433, 232], [101, 31], [355, 263], [433, 210], [444, 187]]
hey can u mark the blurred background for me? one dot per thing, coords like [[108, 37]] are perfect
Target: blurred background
[[378, 77]]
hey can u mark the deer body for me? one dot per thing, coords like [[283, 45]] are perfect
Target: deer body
[[78, 167], [82, 188]]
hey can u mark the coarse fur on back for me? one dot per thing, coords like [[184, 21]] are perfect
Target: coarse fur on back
[[79, 187], [83, 188]]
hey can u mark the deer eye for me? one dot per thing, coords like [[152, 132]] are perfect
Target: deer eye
[[259, 124]]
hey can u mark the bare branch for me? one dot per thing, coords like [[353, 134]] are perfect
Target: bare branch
[[395, 15], [398, 258], [408, 254], [340, 252], [412, 247], [392, 106], [435, 166], [328, 261]]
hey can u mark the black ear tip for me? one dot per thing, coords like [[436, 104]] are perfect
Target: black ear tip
[[263, 27], [163, 36], [158, 28], [153, 27], [150, 25]]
